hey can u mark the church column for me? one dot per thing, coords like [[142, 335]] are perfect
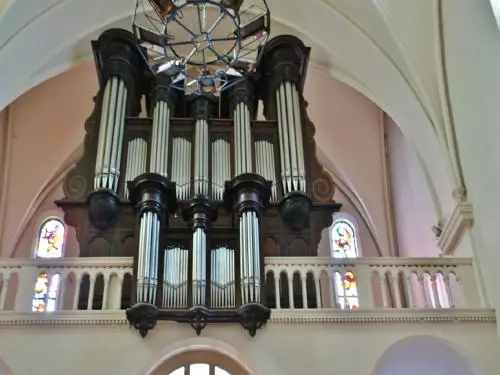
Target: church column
[[283, 68], [153, 197], [119, 63], [248, 194]]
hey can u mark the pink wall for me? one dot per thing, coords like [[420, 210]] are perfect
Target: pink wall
[[349, 131], [47, 128], [413, 209]]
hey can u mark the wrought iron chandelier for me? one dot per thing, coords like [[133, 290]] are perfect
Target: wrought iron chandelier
[[203, 46]]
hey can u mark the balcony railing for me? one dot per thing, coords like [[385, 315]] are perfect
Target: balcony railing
[[291, 283]]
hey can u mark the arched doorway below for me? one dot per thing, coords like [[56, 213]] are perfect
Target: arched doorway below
[[199, 369], [200, 362]]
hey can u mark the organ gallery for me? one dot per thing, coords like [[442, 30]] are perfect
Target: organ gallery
[[179, 171]]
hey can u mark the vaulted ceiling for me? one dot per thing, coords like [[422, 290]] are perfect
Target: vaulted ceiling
[[390, 50]]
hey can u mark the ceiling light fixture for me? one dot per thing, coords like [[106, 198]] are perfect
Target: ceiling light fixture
[[205, 46]]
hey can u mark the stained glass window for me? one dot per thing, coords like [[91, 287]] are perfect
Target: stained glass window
[[45, 292], [50, 244], [344, 245], [50, 239], [343, 240]]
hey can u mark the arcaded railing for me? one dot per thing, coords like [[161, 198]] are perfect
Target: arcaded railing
[[312, 282], [82, 283], [291, 283]]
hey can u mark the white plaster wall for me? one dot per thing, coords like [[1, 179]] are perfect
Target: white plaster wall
[[288, 349], [414, 214], [472, 62]]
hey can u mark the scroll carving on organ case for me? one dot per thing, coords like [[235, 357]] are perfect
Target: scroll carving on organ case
[[198, 183]]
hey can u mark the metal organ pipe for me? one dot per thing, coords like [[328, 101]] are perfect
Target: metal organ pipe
[[249, 195], [175, 278], [159, 138], [265, 164], [250, 257], [201, 214], [109, 146], [201, 158], [147, 260], [201, 109], [291, 140], [222, 276], [153, 197], [136, 160], [221, 168], [199, 266], [181, 167], [242, 135], [299, 138]]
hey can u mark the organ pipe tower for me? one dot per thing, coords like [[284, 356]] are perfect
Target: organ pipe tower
[[195, 187]]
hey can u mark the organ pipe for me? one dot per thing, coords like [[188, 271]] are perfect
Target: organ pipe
[[201, 214], [147, 259], [136, 160], [175, 278], [109, 145], [221, 167], [153, 197], [222, 276], [201, 158], [199, 266], [249, 194], [201, 107], [181, 167], [119, 67], [241, 99], [250, 257], [163, 107], [243, 154], [265, 164], [159, 138], [290, 138]]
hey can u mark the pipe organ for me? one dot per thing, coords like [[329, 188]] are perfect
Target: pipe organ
[[175, 279], [198, 190], [223, 277]]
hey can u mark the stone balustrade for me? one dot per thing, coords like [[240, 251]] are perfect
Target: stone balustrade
[[292, 283], [313, 282]]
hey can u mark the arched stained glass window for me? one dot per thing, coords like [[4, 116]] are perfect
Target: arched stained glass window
[[49, 245], [344, 245], [199, 369], [344, 240], [50, 239]]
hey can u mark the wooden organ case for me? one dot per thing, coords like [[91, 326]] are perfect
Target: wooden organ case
[[198, 191]]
